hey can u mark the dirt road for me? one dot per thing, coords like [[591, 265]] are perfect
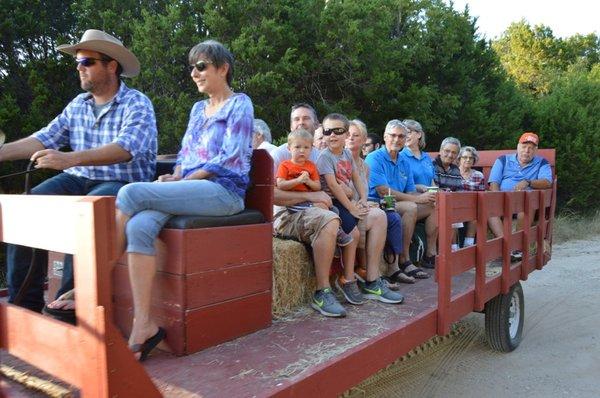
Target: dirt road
[[558, 357]]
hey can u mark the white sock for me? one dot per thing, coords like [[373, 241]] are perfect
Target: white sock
[[469, 242], [455, 247]]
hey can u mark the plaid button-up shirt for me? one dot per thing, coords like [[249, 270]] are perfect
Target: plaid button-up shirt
[[129, 122]]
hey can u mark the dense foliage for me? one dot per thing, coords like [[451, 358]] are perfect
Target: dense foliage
[[372, 59]]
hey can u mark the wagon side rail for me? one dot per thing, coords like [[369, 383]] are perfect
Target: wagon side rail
[[534, 241], [93, 356]]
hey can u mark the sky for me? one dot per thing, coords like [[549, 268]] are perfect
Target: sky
[[564, 17]]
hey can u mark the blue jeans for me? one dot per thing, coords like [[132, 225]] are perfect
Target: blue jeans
[[19, 257], [151, 204]]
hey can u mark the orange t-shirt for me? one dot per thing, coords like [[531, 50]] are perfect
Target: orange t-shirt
[[288, 171]]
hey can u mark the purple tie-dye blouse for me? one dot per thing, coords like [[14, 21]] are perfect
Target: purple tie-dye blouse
[[220, 144]]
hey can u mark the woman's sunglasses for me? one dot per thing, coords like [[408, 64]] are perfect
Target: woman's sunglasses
[[336, 131], [89, 61], [200, 65]]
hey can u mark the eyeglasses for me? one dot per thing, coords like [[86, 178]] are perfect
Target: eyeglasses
[[200, 66], [397, 136], [471, 158], [336, 131], [89, 61]]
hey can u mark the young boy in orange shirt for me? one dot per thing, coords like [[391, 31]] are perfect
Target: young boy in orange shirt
[[300, 174]]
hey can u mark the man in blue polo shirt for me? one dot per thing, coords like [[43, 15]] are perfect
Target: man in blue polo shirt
[[390, 173], [111, 130], [522, 171]]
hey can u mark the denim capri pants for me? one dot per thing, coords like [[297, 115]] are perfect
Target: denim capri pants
[[151, 204]]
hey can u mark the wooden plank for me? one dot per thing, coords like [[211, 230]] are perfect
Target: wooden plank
[[461, 304], [229, 246], [18, 211], [461, 206], [463, 260], [214, 324]]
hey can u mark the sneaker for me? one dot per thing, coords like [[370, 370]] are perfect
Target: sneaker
[[378, 290], [350, 291], [343, 239], [516, 256], [428, 262], [360, 274], [325, 302]]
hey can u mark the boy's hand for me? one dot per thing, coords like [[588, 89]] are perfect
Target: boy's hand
[[304, 177]]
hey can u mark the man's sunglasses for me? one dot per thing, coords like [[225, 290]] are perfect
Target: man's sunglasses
[[200, 65], [89, 61], [336, 131]]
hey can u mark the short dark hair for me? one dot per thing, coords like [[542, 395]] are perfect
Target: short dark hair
[[216, 53], [307, 106], [340, 117], [375, 139]]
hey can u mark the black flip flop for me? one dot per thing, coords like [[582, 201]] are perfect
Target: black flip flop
[[397, 277], [149, 344], [67, 316], [415, 273]]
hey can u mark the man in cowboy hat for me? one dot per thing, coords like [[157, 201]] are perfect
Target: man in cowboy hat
[[111, 130]]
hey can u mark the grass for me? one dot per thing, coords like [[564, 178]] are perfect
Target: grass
[[573, 227]]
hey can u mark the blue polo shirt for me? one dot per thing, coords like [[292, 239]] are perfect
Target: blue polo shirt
[[508, 173], [383, 171], [422, 169]]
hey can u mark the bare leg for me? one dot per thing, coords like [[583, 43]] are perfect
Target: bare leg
[[121, 221], [471, 229], [377, 230], [495, 224], [408, 211], [323, 247], [142, 269], [349, 255]]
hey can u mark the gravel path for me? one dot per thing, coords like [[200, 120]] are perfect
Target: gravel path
[[559, 355]]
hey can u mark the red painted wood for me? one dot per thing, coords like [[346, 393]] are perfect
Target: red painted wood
[[463, 260], [214, 324]]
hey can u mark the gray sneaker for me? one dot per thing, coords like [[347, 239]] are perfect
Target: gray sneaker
[[378, 290], [350, 291], [325, 302], [343, 239]]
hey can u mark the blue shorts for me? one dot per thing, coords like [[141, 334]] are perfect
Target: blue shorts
[[348, 220]]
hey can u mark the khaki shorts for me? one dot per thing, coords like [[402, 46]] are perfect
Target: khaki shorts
[[303, 225]]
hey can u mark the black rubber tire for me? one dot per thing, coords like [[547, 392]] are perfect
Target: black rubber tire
[[497, 314]]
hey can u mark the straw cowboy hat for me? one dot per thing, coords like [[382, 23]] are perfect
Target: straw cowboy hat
[[99, 41]]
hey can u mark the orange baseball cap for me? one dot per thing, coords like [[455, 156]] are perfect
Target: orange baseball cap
[[529, 137]]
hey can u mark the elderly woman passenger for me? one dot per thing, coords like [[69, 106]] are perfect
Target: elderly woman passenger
[[473, 180], [210, 179], [419, 161]]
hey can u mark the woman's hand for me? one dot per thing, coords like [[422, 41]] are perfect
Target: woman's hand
[[168, 178], [358, 211]]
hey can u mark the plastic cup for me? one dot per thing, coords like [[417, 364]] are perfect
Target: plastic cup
[[390, 202]]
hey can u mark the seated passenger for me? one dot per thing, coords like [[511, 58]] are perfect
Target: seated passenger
[[301, 175], [319, 139], [520, 172], [473, 180], [447, 174], [314, 226], [339, 178], [391, 174], [393, 234], [261, 136], [210, 179], [418, 160], [372, 143]]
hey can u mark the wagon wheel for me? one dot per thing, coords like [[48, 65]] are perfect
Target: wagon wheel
[[504, 319]]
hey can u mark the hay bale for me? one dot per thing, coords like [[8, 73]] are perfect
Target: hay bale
[[293, 277]]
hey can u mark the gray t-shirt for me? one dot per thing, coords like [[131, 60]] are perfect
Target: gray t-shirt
[[339, 165]]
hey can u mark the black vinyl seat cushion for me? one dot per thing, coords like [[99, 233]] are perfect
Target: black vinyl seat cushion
[[245, 217]]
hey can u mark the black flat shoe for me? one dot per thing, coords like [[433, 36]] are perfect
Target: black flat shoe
[[149, 344]]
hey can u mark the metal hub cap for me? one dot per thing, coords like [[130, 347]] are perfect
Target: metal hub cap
[[514, 316]]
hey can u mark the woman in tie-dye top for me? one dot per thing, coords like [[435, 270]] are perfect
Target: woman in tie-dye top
[[210, 179]]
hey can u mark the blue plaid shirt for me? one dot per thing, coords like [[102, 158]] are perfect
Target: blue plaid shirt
[[128, 122], [220, 144]]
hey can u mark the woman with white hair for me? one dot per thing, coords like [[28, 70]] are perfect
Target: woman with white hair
[[472, 180]]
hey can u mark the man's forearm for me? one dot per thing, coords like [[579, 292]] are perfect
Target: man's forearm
[[21, 149], [106, 154], [540, 184]]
